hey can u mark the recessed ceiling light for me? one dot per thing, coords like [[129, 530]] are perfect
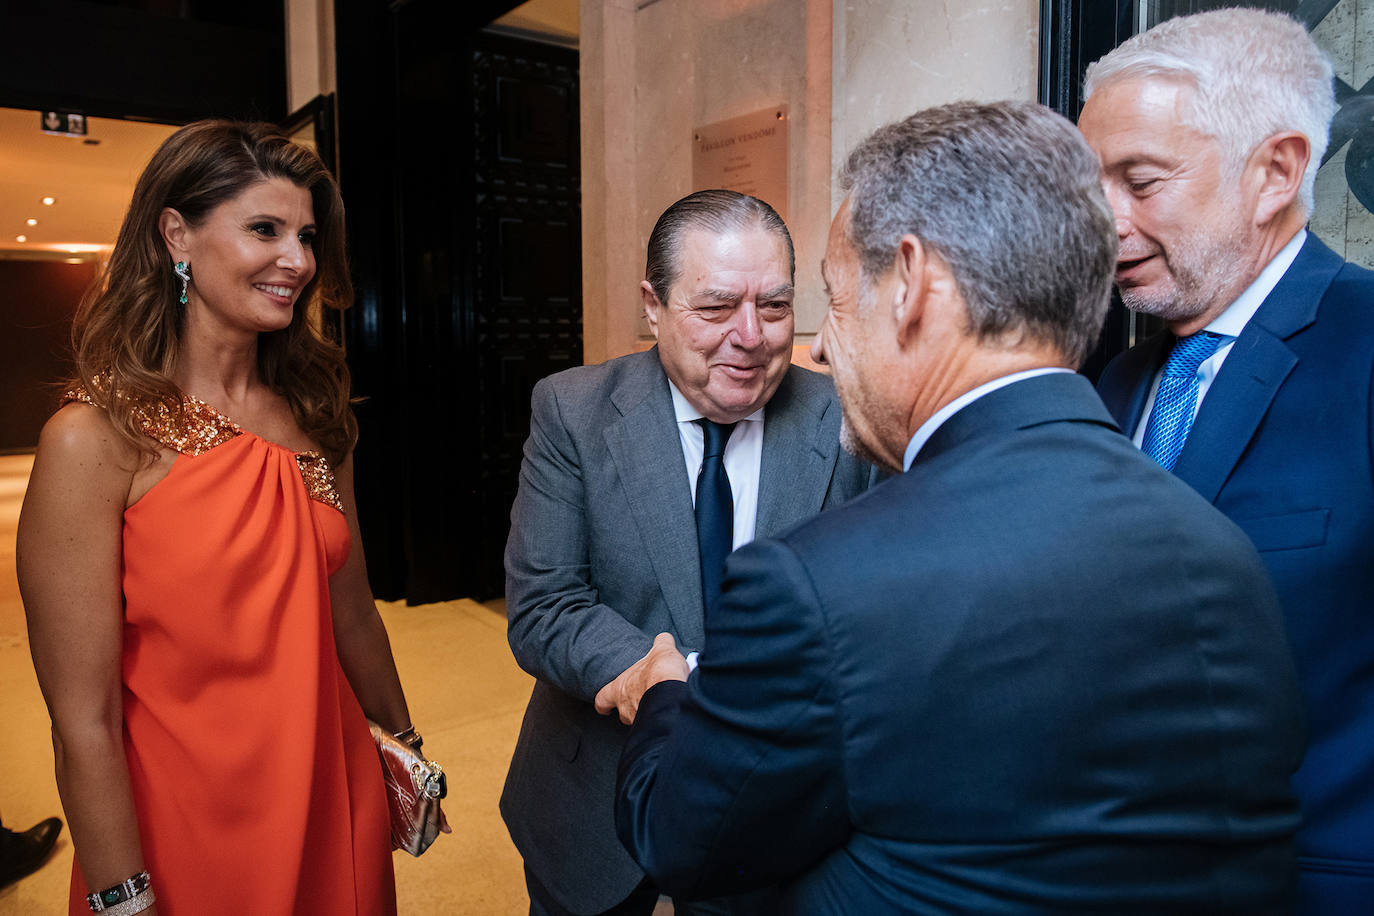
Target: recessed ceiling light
[[31, 221], [49, 201], [21, 238]]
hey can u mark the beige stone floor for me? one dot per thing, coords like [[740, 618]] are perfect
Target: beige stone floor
[[465, 692]]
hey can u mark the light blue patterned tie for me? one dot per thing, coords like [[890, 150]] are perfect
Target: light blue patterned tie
[[1172, 416]]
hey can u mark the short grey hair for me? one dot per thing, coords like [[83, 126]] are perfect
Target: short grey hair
[[1257, 73], [715, 210], [1008, 195]]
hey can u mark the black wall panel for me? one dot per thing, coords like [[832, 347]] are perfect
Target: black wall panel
[[163, 60]]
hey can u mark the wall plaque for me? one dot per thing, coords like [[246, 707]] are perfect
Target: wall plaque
[[746, 154]]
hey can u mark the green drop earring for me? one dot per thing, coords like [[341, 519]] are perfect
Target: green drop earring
[[183, 270]]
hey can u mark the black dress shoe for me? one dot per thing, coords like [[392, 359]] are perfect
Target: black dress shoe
[[22, 853]]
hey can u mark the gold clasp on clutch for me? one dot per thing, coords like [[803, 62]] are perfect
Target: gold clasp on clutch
[[431, 784]]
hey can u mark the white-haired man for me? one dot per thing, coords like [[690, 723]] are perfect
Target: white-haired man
[[1210, 129]]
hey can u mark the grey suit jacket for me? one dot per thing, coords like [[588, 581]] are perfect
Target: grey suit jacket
[[602, 556]]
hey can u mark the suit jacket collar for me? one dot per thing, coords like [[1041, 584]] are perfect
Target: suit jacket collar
[[647, 450], [1259, 362], [799, 454], [1293, 304], [1289, 307], [1021, 405], [1139, 365], [646, 447]]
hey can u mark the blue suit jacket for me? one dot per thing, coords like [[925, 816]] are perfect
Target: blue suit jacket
[[1283, 444], [1003, 682]]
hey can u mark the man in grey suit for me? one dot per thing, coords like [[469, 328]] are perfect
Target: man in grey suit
[[604, 546]]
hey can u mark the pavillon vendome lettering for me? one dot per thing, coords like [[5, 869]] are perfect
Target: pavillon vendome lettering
[[723, 142]]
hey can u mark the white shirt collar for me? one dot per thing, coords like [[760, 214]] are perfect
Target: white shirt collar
[[1232, 321], [686, 413], [929, 427]]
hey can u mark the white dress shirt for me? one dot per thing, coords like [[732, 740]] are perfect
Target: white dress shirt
[[743, 454], [938, 419], [1228, 326]]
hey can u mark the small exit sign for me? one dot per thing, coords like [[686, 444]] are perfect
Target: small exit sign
[[64, 123]]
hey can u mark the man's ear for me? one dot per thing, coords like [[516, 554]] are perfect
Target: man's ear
[[649, 299], [908, 287], [175, 233], [1280, 162]]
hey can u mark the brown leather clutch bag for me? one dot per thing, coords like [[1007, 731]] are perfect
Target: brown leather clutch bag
[[414, 787]]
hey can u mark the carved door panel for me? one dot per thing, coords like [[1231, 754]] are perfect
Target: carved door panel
[[527, 258]]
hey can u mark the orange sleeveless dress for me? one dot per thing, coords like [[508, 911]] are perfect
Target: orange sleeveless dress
[[256, 783]]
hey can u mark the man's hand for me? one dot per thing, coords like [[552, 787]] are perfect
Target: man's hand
[[663, 663]]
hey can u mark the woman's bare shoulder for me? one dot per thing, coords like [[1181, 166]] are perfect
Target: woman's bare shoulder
[[80, 438]]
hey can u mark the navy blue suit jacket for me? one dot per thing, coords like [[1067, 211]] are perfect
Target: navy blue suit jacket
[[1034, 673], [1284, 445]]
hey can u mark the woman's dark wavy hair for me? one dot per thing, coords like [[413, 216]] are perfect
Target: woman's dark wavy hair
[[128, 328]]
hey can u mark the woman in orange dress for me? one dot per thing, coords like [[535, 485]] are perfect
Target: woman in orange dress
[[189, 556]]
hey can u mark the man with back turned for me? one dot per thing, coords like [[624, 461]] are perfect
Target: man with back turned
[[1005, 680], [1258, 394]]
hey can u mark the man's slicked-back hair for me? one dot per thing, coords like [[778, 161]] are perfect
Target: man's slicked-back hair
[[1257, 73], [715, 211], [1008, 195]]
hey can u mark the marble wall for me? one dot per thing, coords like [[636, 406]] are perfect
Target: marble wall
[[1340, 219], [652, 70], [895, 57], [309, 50], [651, 73], [612, 251]]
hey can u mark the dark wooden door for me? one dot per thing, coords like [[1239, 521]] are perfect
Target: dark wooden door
[[458, 158], [526, 260], [1073, 34]]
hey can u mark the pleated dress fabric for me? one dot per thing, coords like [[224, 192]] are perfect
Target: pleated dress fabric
[[255, 779]]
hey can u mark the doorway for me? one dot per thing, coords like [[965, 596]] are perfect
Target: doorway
[[458, 159]]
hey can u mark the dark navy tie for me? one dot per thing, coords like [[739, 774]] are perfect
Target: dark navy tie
[[715, 509], [1173, 412]]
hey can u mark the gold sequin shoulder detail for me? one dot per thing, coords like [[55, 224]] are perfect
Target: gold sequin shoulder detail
[[78, 394], [193, 430], [198, 427], [319, 479]]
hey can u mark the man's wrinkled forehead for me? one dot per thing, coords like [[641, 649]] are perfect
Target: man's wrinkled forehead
[[705, 259]]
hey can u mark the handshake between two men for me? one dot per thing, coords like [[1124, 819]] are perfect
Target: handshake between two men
[[622, 695]]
